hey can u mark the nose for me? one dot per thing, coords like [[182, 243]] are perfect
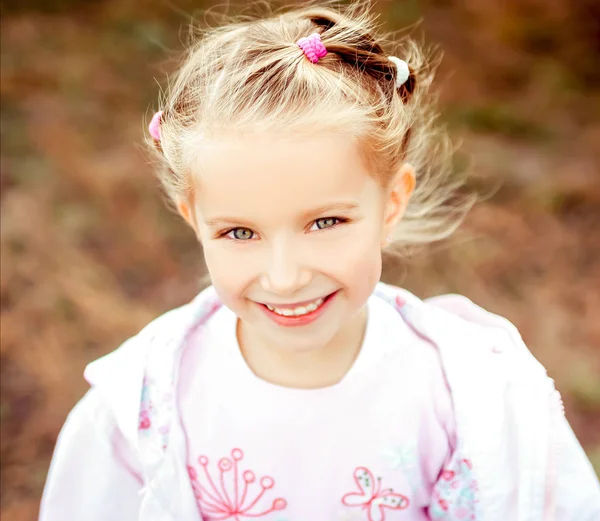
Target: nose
[[285, 273]]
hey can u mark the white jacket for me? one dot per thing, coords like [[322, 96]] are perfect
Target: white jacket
[[509, 417]]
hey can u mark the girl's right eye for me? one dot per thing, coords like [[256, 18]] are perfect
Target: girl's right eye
[[240, 234]]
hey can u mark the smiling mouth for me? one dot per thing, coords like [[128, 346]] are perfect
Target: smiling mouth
[[297, 311], [304, 309]]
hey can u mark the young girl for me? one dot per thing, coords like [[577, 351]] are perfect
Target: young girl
[[297, 387]]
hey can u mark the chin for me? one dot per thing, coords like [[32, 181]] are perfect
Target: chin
[[300, 342]]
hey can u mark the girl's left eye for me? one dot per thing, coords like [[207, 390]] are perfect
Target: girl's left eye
[[325, 222], [241, 234]]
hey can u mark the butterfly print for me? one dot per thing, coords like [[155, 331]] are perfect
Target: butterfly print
[[372, 498]]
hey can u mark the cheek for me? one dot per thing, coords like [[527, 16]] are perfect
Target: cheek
[[358, 268], [363, 272], [228, 277]]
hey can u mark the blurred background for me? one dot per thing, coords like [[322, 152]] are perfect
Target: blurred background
[[90, 253]]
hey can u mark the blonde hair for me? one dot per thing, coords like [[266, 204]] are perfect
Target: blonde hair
[[250, 75]]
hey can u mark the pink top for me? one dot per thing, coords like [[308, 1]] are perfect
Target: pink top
[[369, 448]]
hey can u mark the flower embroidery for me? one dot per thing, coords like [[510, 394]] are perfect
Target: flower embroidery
[[145, 422], [400, 302], [228, 497], [455, 493], [372, 498]]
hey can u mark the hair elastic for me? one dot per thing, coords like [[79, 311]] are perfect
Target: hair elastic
[[402, 71], [154, 126], [312, 46]]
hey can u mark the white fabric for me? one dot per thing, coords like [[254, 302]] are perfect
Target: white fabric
[[391, 414], [528, 462], [402, 71]]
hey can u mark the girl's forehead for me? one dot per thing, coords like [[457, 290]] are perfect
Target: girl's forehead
[[292, 170]]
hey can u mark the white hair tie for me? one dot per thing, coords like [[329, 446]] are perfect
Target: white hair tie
[[402, 71]]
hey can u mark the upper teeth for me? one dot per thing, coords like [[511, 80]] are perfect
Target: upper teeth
[[300, 310]]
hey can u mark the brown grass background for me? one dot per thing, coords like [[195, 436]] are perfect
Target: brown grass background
[[90, 254]]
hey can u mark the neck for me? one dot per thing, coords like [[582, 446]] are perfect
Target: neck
[[311, 369]]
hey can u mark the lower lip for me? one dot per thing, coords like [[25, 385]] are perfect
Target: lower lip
[[301, 320]]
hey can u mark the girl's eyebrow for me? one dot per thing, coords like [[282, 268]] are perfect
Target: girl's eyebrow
[[334, 207], [218, 221]]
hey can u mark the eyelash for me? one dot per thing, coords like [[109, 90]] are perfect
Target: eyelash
[[339, 220]]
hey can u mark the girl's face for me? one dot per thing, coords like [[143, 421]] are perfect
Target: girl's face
[[292, 232]]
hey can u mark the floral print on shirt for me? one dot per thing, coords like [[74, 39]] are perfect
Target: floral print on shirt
[[454, 495], [225, 492]]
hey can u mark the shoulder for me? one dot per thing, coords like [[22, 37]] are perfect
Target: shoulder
[[465, 309], [455, 321], [498, 333], [90, 410]]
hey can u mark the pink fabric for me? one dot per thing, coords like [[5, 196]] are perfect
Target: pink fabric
[[371, 447], [154, 127], [313, 47]]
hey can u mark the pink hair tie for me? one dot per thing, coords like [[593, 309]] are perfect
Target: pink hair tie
[[154, 126], [312, 46]]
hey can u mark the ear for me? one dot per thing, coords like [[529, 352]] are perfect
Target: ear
[[188, 215], [398, 194]]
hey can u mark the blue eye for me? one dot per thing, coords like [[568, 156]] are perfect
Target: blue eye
[[326, 222], [241, 234]]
